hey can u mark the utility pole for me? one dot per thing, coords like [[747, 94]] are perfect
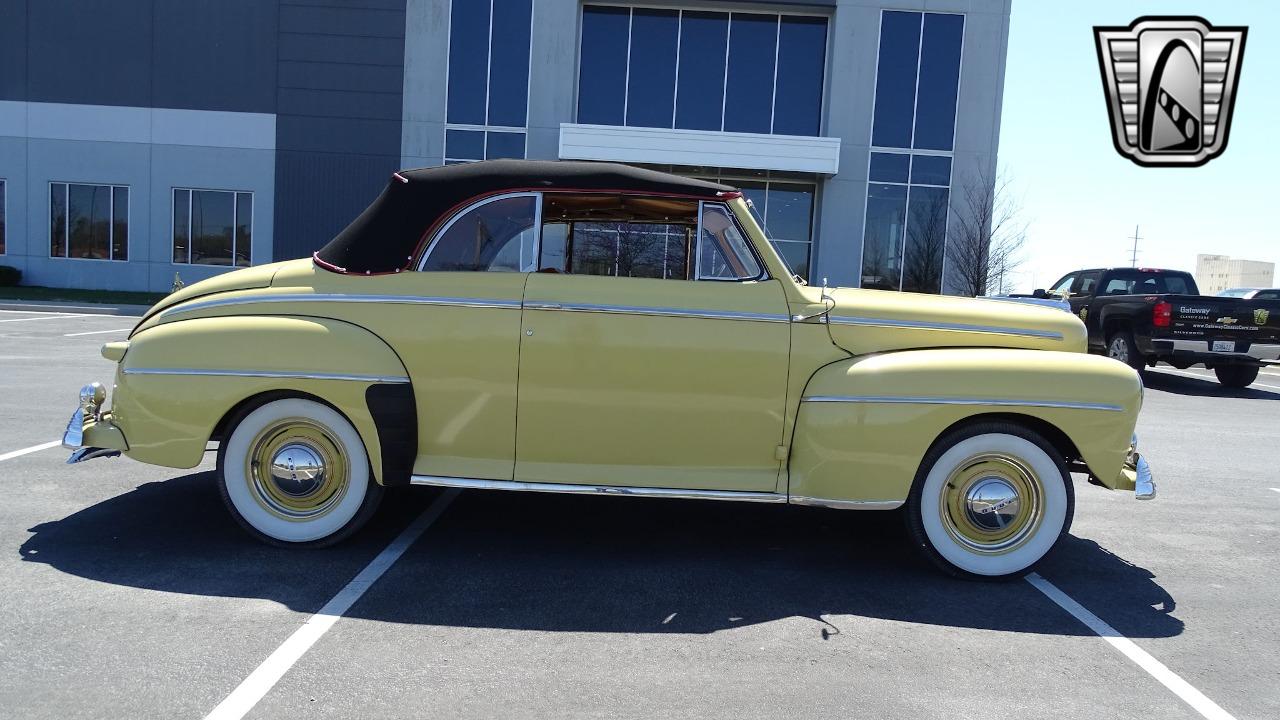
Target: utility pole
[[1133, 259]]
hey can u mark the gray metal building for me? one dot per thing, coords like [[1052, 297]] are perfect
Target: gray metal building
[[139, 139]]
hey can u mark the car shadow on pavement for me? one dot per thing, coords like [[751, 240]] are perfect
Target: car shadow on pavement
[[1184, 385], [591, 564]]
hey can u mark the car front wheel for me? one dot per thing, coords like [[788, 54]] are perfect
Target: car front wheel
[[294, 472], [989, 501], [1236, 376]]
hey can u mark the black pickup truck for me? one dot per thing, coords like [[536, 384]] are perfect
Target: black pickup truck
[[1142, 316]]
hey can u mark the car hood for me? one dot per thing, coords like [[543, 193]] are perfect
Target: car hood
[[250, 278], [863, 321]]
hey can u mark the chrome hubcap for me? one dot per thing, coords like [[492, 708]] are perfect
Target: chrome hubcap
[[992, 503], [297, 470]]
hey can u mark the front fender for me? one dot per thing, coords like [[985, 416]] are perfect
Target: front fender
[[865, 423], [178, 380]]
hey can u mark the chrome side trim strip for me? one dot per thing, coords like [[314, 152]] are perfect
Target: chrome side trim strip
[[479, 484], [268, 374], [1059, 404], [846, 504], [337, 297], [659, 311], [956, 327]]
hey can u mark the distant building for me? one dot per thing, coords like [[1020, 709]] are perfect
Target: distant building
[[1215, 273], [143, 139]]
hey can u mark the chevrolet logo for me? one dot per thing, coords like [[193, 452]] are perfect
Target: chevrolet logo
[[1227, 320]]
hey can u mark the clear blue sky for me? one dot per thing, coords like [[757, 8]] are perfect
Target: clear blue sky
[[1082, 199]]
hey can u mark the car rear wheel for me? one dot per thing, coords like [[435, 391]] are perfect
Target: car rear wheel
[[1236, 376], [294, 472], [989, 501], [1120, 346]]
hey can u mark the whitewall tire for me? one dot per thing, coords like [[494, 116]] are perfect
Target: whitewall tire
[[990, 500], [295, 472]]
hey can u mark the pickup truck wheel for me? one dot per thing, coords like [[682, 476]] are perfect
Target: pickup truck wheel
[[1120, 346], [1236, 376], [294, 472], [989, 501]]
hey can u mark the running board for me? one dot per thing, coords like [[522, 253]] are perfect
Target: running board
[[478, 484]]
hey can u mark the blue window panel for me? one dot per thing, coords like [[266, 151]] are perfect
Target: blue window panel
[[890, 167], [926, 240], [802, 57], [652, 84], [748, 103], [930, 170], [700, 86], [509, 63], [896, 79], [882, 236], [939, 79], [468, 61], [505, 145], [464, 144], [602, 70], [790, 215]]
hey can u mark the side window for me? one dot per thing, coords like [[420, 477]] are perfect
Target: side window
[[723, 251], [1088, 283], [618, 236], [1118, 286], [1063, 287], [498, 235]]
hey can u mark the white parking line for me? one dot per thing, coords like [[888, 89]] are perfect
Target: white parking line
[[1276, 489], [96, 332], [27, 451], [260, 681], [49, 316], [1129, 649]]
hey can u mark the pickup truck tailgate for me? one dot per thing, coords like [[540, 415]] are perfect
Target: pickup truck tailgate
[[1229, 325]]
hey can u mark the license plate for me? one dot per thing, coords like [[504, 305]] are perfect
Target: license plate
[[1224, 346]]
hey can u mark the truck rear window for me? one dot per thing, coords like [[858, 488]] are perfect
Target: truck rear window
[[1137, 282]]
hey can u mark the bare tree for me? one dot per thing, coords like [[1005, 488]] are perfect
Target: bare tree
[[925, 243], [988, 235]]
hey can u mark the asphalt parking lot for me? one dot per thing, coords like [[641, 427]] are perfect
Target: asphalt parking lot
[[127, 590]]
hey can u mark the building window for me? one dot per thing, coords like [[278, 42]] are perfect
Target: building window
[[696, 70], [88, 221], [905, 235], [488, 93], [212, 227], [917, 80], [3, 205]]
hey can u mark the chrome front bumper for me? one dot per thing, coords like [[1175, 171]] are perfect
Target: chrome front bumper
[[1144, 486], [88, 423]]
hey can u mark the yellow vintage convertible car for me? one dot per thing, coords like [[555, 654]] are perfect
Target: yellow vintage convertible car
[[594, 328]]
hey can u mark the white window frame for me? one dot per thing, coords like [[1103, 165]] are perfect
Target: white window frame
[[235, 207], [724, 92], [488, 67], [111, 222]]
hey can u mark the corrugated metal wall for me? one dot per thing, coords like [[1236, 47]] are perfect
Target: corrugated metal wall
[[340, 75]]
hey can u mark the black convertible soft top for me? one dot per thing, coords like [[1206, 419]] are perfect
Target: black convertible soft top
[[385, 237]]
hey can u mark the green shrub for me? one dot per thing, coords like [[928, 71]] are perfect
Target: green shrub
[[9, 276]]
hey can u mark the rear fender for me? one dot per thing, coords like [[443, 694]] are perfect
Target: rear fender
[[178, 381], [865, 423]]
